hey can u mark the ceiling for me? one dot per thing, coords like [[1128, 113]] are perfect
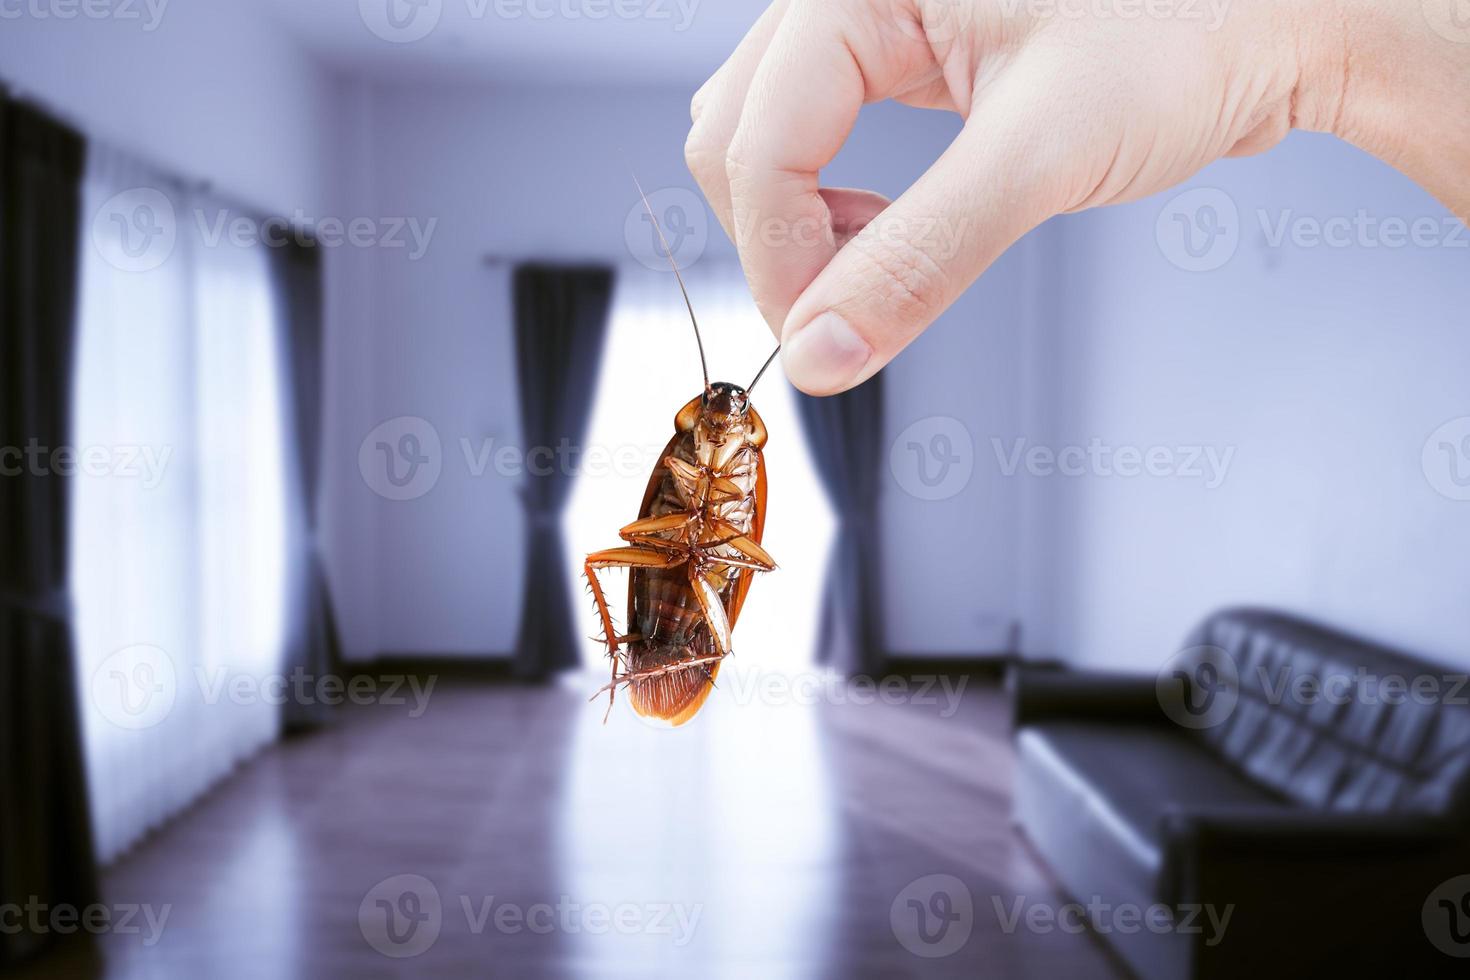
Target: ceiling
[[535, 42]]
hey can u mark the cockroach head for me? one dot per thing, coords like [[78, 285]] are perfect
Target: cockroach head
[[724, 404]]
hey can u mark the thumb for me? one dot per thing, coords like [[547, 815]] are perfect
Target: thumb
[[913, 259]]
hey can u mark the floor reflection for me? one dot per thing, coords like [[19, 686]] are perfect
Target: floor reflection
[[508, 832], [727, 822]]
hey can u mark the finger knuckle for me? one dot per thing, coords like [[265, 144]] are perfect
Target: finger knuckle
[[739, 155], [704, 157], [699, 103]]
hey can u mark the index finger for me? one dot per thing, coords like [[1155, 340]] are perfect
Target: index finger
[[801, 107]]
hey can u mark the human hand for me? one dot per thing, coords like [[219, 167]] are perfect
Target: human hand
[[1068, 104]]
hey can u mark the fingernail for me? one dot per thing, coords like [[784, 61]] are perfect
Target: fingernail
[[825, 356]]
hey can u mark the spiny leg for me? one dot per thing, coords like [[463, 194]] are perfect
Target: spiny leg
[[627, 557]]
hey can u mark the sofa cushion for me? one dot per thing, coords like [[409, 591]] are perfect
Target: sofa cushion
[[1121, 780], [1332, 722]]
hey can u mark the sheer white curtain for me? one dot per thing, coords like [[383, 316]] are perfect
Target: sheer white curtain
[[179, 544]]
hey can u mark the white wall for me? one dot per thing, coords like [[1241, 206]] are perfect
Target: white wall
[[211, 91], [1325, 368], [525, 172]]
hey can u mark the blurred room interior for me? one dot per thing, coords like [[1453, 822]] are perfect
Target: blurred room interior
[[296, 663]]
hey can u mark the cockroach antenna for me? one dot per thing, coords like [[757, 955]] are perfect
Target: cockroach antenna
[[762, 371], [703, 364]]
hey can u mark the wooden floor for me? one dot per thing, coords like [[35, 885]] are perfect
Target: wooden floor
[[510, 833]]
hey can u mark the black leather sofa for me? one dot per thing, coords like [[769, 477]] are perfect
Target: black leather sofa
[[1324, 818]]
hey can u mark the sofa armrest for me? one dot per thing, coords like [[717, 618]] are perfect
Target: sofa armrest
[[1040, 693], [1305, 889]]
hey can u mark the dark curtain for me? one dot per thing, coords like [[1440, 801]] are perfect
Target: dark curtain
[[313, 644], [845, 433], [560, 323], [45, 828]]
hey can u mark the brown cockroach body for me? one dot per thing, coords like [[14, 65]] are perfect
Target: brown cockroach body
[[692, 553]]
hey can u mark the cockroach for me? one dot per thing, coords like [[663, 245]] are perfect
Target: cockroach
[[694, 549]]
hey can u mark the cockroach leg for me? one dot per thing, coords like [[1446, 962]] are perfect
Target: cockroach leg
[[667, 532], [628, 677], [627, 557], [609, 634]]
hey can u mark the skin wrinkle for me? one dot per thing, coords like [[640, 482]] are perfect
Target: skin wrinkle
[[909, 273]]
